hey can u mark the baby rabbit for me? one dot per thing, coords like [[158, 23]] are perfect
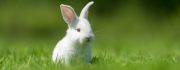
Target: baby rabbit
[[76, 44]]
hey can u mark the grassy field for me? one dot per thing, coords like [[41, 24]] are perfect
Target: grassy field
[[31, 54], [128, 35], [140, 46]]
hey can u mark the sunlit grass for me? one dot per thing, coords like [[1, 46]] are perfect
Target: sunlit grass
[[37, 55], [129, 38]]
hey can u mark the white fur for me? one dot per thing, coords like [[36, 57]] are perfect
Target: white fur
[[75, 45]]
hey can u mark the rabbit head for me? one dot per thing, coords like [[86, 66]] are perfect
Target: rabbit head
[[79, 29]]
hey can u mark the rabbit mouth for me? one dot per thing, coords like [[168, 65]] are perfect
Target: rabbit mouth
[[88, 39], [85, 40]]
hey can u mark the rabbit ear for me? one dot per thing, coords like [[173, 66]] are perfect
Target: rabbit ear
[[84, 12], [68, 14]]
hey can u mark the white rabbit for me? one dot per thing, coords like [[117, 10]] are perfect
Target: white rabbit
[[76, 45]]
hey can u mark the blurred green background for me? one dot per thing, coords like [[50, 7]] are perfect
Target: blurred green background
[[151, 26], [142, 23]]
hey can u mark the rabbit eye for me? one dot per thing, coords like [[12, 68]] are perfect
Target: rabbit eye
[[78, 29]]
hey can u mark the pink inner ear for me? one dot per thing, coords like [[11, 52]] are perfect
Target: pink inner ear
[[68, 14]]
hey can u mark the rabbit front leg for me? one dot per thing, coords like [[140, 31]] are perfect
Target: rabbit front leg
[[88, 54]]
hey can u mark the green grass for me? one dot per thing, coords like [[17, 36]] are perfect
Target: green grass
[[126, 46], [129, 38], [36, 55]]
